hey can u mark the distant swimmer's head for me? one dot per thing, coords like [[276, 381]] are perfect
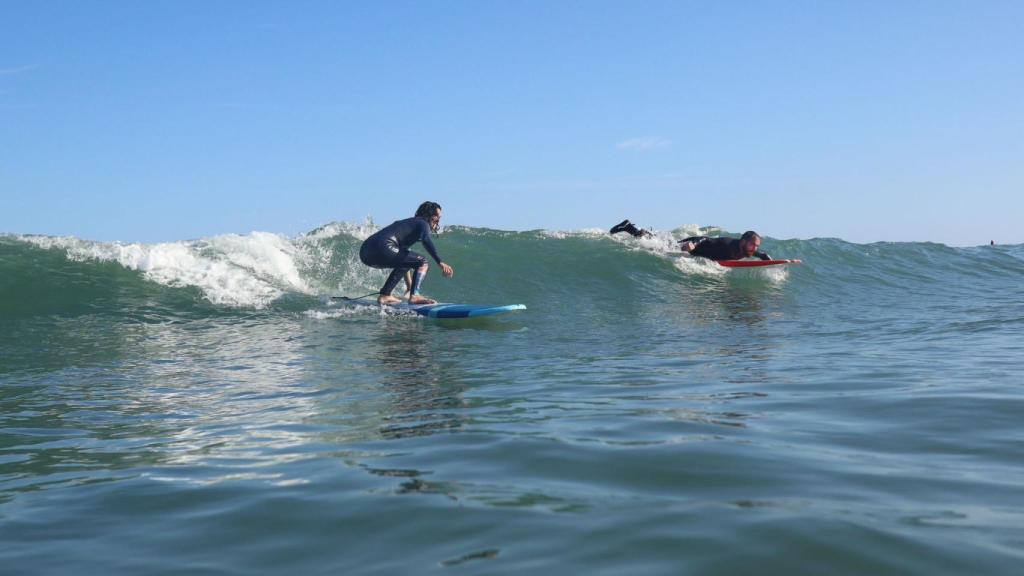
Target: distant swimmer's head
[[431, 212], [750, 242]]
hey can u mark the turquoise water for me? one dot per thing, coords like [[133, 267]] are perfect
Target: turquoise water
[[202, 407]]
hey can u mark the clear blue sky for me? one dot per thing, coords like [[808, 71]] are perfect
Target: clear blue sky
[[865, 120]]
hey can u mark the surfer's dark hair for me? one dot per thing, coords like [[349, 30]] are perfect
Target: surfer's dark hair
[[750, 235], [427, 210]]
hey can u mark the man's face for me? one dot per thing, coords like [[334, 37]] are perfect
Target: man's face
[[750, 246], [435, 221]]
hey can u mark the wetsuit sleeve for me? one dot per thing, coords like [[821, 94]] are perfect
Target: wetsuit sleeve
[[762, 255], [427, 242], [695, 239]]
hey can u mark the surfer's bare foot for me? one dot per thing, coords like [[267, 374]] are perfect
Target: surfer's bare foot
[[417, 299], [387, 300]]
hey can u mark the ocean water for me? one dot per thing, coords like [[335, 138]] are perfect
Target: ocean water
[[203, 407]]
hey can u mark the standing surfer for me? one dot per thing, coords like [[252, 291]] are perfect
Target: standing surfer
[[389, 248]]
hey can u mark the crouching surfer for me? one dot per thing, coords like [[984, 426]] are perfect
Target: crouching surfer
[[389, 248]]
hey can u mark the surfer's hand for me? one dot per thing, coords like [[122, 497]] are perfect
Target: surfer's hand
[[447, 270], [688, 246]]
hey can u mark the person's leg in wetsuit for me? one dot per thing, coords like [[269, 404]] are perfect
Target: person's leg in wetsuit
[[401, 261], [628, 227], [408, 284], [417, 280]]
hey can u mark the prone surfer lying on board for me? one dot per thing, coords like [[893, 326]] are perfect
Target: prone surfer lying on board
[[389, 248], [717, 248], [725, 248]]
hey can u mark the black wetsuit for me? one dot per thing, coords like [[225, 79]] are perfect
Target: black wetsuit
[[389, 248], [720, 248]]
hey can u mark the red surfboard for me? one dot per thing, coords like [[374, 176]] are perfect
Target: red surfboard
[[755, 263]]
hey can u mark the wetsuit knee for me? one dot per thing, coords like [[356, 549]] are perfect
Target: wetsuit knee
[[400, 262]]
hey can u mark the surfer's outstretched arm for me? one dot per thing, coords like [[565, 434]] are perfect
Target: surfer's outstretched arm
[[689, 244]]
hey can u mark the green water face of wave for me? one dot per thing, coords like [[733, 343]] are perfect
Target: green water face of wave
[[70, 277]]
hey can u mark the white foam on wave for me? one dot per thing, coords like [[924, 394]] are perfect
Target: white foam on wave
[[775, 274], [233, 270], [660, 242], [705, 267], [356, 309], [343, 312], [709, 268], [250, 270], [699, 266], [359, 231], [582, 232], [657, 242]]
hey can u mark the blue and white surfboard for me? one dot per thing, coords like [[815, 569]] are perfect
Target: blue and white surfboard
[[441, 310]]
